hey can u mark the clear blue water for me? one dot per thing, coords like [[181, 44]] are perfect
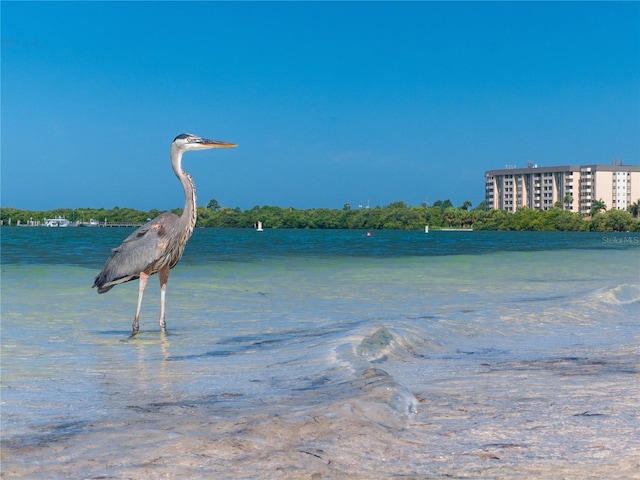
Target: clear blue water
[[279, 326]]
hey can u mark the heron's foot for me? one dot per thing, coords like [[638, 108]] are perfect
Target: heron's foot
[[135, 327]]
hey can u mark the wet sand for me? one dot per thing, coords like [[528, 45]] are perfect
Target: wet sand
[[572, 417]]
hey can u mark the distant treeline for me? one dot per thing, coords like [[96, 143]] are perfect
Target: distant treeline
[[395, 216]]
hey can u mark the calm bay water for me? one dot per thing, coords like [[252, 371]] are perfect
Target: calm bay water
[[294, 353]]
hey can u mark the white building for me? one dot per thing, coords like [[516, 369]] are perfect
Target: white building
[[574, 186]]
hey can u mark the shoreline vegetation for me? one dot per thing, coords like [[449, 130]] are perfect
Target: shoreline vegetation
[[395, 216]]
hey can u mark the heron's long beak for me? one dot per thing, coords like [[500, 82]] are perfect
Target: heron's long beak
[[215, 144]]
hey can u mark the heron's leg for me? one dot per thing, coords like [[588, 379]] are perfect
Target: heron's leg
[[144, 278], [163, 275]]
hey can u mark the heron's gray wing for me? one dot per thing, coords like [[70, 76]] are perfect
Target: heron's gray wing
[[138, 252]]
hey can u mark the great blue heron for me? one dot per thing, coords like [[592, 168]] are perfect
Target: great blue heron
[[157, 246]]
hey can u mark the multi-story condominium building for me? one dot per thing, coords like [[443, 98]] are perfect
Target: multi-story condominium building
[[575, 187]]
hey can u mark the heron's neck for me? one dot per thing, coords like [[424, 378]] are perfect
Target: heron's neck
[[189, 214]]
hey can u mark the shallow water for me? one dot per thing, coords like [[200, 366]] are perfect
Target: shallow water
[[294, 353]]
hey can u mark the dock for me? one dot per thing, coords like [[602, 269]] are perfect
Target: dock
[[120, 224], [108, 224], [63, 223]]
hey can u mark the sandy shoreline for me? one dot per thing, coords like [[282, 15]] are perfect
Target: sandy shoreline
[[573, 418]]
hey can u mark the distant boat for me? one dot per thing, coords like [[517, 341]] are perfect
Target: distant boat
[[259, 226], [56, 222], [426, 229]]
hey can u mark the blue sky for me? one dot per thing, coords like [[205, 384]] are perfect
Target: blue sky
[[329, 102]]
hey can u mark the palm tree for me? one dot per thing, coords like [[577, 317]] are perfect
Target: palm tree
[[568, 200], [634, 209], [451, 215], [597, 206]]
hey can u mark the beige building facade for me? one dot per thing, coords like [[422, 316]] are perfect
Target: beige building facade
[[576, 187]]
